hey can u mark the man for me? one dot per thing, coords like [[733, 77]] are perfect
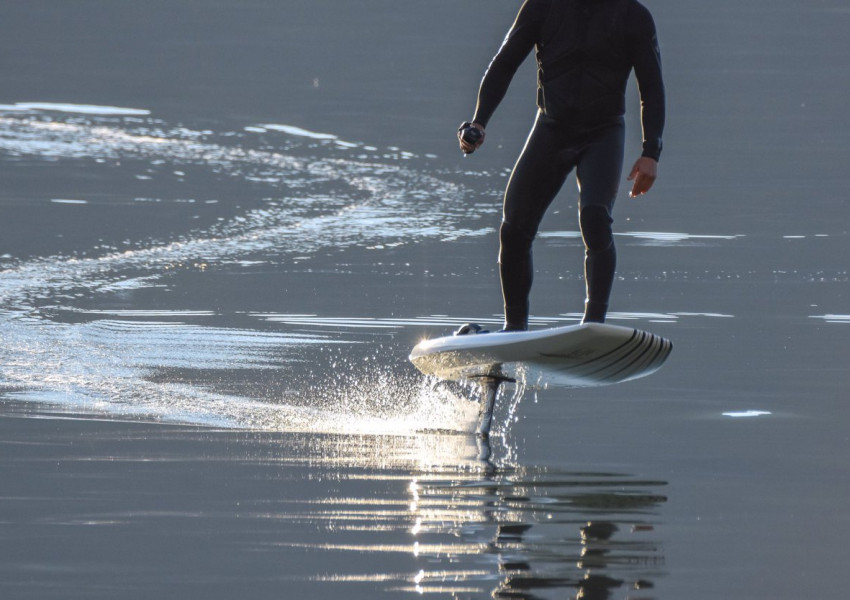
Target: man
[[586, 50]]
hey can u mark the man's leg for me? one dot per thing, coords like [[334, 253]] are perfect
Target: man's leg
[[534, 183], [599, 170]]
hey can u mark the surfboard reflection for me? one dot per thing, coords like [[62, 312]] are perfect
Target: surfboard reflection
[[553, 533], [479, 529]]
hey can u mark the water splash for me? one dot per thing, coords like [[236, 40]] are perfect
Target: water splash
[[174, 371]]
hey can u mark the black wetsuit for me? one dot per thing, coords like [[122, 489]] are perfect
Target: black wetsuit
[[585, 51]]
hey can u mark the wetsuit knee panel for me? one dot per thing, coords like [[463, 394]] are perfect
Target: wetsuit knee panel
[[595, 222], [515, 243], [515, 239]]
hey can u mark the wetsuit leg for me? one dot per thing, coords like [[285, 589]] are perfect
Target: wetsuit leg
[[599, 169], [534, 183]]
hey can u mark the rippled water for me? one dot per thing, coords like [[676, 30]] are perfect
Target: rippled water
[[393, 516], [225, 225], [125, 331]]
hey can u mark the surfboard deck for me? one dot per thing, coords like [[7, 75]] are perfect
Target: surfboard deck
[[590, 354]]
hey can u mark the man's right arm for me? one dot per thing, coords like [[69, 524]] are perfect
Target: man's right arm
[[521, 38]]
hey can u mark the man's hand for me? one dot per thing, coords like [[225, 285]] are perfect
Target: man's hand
[[643, 174], [470, 140]]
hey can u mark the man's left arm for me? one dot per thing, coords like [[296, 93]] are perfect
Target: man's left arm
[[646, 59]]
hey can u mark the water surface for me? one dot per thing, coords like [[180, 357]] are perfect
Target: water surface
[[226, 224]]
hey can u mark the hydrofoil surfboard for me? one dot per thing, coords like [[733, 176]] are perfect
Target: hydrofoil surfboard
[[589, 354]]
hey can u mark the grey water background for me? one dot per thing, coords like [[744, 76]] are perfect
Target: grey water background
[[206, 304]]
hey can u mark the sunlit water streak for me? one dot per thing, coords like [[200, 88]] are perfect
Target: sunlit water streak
[[170, 371], [446, 322], [832, 318], [83, 109], [656, 238]]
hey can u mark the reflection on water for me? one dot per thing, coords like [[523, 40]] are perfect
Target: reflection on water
[[655, 238], [353, 516], [481, 529], [745, 414], [549, 533]]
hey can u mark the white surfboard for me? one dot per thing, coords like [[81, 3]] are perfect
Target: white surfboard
[[590, 354]]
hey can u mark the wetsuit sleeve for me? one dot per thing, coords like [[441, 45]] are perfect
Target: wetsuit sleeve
[[646, 58], [521, 38]]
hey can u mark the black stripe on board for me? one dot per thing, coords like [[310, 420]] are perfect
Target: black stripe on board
[[601, 356], [640, 347], [653, 348], [642, 352], [591, 370], [659, 348]]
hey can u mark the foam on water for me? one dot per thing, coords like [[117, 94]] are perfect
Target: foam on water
[[372, 203], [90, 360], [82, 109]]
